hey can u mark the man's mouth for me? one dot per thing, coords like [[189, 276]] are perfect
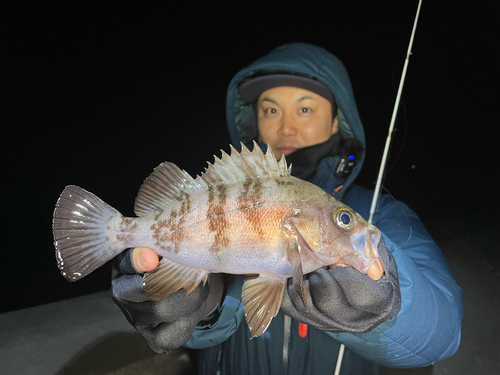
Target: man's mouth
[[286, 150]]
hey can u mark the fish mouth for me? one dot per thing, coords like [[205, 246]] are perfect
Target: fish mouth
[[365, 245]]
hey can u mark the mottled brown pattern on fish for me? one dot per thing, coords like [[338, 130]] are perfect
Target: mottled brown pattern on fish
[[283, 182], [244, 198], [127, 229], [227, 217], [217, 221], [259, 225], [158, 214], [185, 206], [169, 232], [162, 231], [251, 196], [180, 234]]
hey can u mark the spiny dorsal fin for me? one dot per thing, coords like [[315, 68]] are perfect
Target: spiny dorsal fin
[[166, 185], [240, 166]]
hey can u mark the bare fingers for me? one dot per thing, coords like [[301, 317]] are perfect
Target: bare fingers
[[375, 272], [145, 260]]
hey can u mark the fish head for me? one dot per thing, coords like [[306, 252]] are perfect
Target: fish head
[[333, 230]]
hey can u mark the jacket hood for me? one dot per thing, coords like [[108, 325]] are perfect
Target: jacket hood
[[303, 59]]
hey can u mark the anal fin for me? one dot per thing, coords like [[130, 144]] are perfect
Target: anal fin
[[262, 299], [169, 277]]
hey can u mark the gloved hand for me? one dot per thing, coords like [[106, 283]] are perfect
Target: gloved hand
[[343, 299], [165, 325]]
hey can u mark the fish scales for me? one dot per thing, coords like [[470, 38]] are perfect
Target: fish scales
[[244, 219], [245, 215]]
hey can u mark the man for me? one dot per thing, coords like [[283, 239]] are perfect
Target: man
[[405, 313]]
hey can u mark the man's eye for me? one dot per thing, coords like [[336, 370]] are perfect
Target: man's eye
[[305, 110], [270, 111]]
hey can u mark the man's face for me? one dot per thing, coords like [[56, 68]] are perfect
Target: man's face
[[290, 118]]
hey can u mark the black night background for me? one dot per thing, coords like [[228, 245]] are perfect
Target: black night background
[[98, 95]]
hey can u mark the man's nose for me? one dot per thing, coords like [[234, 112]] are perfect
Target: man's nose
[[288, 126]]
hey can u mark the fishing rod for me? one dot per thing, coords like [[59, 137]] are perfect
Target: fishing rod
[[393, 119], [386, 149]]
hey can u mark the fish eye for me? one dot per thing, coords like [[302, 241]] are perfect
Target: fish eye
[[344, 218]]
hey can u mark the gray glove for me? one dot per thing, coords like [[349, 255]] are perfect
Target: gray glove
[[343, 299], [165, 325]]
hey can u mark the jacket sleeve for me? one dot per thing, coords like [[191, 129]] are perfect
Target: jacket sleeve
[[428, 327], [231, 314]]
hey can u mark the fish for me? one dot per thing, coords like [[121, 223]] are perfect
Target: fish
[[245, 215]]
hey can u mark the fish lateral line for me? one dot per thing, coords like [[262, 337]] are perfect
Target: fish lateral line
[[219, 215]]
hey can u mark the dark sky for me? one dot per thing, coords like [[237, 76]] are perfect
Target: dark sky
[[98, 95]]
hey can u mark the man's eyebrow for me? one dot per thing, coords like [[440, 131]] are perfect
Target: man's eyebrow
[[268, 99], [304, 98]]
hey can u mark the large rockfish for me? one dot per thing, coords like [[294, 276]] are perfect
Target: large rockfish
[[244, 215]]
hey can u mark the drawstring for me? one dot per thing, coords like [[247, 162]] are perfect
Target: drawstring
[[286, 340]]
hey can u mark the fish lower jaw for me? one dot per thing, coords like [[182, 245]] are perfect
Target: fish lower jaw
[[359, 262]]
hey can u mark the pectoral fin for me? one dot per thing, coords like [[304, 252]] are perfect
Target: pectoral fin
[[262, 299], [293, 255], [169, 277]]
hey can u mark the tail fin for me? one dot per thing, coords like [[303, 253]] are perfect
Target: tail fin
[[80, 232]]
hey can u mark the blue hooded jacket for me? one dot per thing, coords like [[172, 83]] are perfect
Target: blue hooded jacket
[[426, 330]]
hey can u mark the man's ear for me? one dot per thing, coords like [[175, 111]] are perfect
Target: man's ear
[[335, 125]]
